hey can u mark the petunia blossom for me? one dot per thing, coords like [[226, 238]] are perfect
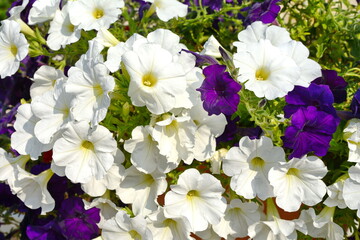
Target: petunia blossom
[[310, 130], [219, 92]]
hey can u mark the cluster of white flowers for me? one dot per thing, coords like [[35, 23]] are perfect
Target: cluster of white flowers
[[66, 112]]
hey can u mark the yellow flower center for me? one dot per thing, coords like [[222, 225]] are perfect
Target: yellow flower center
[[257, 162], [135, 235], [149, 80], [262, 74], [98, 13], [70, 27], [13, 49], [86, 145], [293, 172], [98, 90], [192, 193]]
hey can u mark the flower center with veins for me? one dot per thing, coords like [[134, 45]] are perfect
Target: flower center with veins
[[86, 145], [257, 162], [149, 80], [98, 13], [262, 74], [98, 90], [13, 49]]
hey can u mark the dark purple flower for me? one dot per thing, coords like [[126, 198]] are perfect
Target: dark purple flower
[[49, 231], [265, 11], [355, 104], [7, 199], [77, 223], [319, 96], [202, 59], [7, 120], [31, 64], [14, 88], [219, 92], [336, 84], [310, 130], [25, 13]]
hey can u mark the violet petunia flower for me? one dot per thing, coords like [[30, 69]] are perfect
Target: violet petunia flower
[[310, 130], [201, 59], [49, 231], [319, 96], [336, 84], [355, 104], [219, 92], [265, 11], [77, 223]]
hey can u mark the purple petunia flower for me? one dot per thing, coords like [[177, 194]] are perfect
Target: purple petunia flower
[[336, 84], [201, 59], [265, 11], [310, 130], [77, 223], [219, 92], [319, 96], [49, 231], [355, 104]]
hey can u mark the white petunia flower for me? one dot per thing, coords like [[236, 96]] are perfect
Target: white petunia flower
[[155, 79], [211, 47], [352, 136], [167, 40], [105, 38], [335, 195], [108, 209], [208, 128], [266, 71], [145, 155], [163, 228], [53, 110], [141, 190], [95, 14], [23, 140], [209, 234], [197, 197], [175, 137], [124, 227], [43, 10], [84, 152], [168, 9], [298, 181], [322, 225], [114, 54], [238, 217], [277, 229], [111, 180], [8, 164], [46, 79], [249, 165], [62, 32], [15, 11], [32, 189], [309, 69], [351, 194], [217, 159], [92, 88], [13, 47], [258, 30]]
